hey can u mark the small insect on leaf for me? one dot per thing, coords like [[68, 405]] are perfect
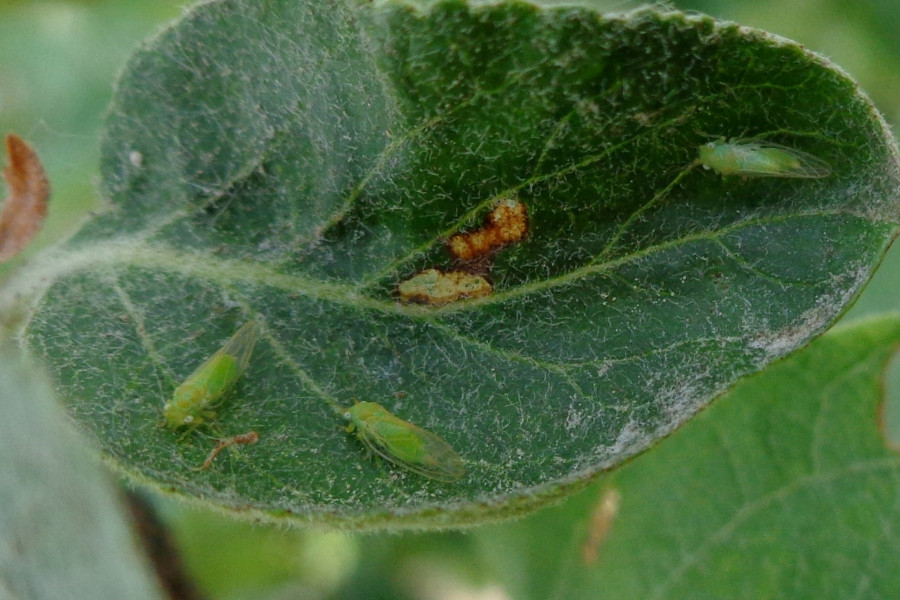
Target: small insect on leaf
[[749, 158], [403, 443], [250, 437], [191, 402]]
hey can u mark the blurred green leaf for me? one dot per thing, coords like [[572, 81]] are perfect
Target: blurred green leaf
[[57, 59], [61, 525], [234, 559], [784, 488], [293, 161]]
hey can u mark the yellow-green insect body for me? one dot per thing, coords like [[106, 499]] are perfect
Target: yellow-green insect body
[[749, 158], [403, 443], [190, 404]]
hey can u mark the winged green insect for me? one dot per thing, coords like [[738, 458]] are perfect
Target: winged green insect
[[403, 443], [190, 404], [750, 158]]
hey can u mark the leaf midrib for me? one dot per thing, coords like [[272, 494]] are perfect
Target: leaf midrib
[[123, 252], [109, 256]]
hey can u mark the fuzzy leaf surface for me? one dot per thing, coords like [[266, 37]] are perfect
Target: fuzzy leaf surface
[[294, 161]]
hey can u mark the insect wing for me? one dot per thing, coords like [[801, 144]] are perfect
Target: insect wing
[[410, 447], [762, 159], [240, 345], [416, 449], [228, 363], [213, 378], [440, 462], [223, 368], [773, 160]]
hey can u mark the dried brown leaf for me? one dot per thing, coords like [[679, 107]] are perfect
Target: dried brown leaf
[[26, 207]]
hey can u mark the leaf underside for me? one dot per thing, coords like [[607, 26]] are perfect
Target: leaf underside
[[294, 161]]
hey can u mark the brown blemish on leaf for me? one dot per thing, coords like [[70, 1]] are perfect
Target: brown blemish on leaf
[[437, 288], [26, 207], [243, 438], [506, 223], [602, 517]]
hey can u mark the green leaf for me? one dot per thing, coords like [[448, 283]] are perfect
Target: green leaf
[[294, 161], [784, 488], [60, 524], [229, 558]]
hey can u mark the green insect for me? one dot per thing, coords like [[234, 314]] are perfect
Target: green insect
[[403, 443], [749, 158], [190, 404]]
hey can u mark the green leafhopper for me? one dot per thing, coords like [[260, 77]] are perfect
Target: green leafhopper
[[403, 443], [760, 159], [190, 403]]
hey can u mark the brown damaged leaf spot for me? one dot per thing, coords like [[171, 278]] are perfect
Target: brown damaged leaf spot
[[250, 437], [506, 223], [26, 207], [438, 288]]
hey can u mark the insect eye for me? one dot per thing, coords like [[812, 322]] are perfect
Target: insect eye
[[347, 415], [710, 145]]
